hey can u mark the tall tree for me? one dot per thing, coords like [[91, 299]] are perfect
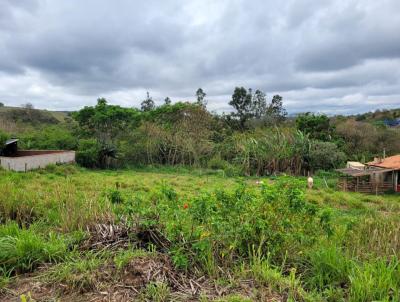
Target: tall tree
[[148, 103], [259, 104], [200, 95], [242, 103], [275, 112]]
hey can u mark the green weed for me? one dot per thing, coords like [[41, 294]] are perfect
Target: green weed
[[377, 280], [22, 250], [123, 257], [156, 292], [78, 271]]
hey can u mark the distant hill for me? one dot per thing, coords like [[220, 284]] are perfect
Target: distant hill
[[378, 115], [60, 116], [16, 120]]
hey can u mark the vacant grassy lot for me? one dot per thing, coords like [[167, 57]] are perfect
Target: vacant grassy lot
[[160, 235]]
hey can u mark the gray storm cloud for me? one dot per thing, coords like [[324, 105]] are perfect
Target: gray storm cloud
[[334, 56]]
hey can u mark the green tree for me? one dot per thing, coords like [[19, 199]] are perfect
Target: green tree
[[106, 123], [148, 103], [1, 104]]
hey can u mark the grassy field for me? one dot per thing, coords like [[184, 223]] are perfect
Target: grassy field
[[193, 235]]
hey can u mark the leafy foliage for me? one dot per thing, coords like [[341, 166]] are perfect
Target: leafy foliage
[[89, 153], [49, 138], [3, 138], [316, 125]]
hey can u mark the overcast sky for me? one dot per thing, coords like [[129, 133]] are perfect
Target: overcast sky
[[333, 56]]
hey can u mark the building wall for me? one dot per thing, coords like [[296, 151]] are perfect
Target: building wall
[[41, 160]]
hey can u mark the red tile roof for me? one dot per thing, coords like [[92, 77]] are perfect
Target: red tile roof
[[392, 162]]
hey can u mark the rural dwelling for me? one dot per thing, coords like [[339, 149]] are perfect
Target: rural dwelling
[[11, 158], [378, 176]]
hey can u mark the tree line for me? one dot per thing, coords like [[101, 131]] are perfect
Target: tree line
[[256, 138]]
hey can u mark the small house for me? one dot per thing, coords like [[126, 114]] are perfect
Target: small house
[[11, 158], [378, 176]]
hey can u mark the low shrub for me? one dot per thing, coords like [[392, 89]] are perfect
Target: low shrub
[[216, 163]]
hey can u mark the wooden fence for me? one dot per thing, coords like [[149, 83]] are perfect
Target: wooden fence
[[364, 187]]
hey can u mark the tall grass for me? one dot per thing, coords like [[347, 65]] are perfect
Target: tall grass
[[377, 280], [22, 250], [376, 237]]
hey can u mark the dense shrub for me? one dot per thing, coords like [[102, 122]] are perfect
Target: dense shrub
[[216, 163], [325, 156], [88, 154]]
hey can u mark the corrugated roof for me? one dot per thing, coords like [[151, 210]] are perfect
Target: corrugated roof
[[392, 162], [363, 172]]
